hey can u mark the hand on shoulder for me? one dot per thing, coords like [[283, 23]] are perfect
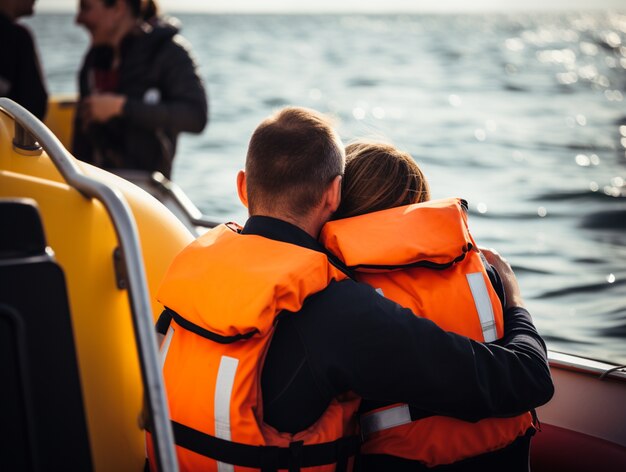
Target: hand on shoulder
[[509, 281]]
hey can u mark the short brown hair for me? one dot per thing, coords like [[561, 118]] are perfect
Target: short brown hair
[[292, 158], [377, 177]]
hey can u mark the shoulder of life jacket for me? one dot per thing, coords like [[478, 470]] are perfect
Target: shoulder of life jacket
[[225, 292], [431, 234], [199, 281], [423, 257]]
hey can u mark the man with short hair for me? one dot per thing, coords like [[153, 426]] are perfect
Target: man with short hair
[[269, 343], [21, 78]]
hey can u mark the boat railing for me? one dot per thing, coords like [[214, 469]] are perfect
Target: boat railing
[[192, 212], [30, 136], [172, 196], [602, 370]]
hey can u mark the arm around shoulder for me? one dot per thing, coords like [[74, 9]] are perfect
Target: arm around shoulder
[[383, 352]]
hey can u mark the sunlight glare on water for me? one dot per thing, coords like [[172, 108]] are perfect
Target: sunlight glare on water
[[523, 115]]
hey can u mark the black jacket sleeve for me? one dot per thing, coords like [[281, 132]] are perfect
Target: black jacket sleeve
[[355, 340]]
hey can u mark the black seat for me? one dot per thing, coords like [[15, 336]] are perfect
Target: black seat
[[42, 418]]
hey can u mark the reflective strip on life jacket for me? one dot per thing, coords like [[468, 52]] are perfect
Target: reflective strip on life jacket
[[385, 419], [223, 393], [483, 305], [166, 345]]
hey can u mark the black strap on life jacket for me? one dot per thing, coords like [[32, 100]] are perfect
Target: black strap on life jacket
[[424, 263], [205, 333], [268, 458]]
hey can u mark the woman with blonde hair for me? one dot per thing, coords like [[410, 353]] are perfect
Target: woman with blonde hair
[[421, 254]]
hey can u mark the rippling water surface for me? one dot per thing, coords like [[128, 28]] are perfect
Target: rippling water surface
[[522, 115]]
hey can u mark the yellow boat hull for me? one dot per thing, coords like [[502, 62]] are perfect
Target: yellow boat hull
[[81, 234], [60, 118]]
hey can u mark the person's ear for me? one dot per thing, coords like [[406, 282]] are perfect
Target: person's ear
[[334, 193], [242, 189]]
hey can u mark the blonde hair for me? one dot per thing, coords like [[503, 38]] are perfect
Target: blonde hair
[[377, 177]]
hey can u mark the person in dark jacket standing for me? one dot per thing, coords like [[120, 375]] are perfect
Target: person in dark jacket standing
[[21, 79], [139, 88]]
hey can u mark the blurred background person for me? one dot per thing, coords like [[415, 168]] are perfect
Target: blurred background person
[[139, 88], [21, 79]]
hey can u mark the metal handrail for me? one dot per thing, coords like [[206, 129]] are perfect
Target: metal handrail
[[127, 234], [193, 214], [600, 369]]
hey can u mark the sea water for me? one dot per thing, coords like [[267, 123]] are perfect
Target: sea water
[[523, 115]]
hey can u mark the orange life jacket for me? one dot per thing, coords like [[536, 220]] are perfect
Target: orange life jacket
[[224, 292], [423, 257]]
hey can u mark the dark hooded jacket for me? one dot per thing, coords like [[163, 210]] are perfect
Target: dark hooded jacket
[[165, 96]]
